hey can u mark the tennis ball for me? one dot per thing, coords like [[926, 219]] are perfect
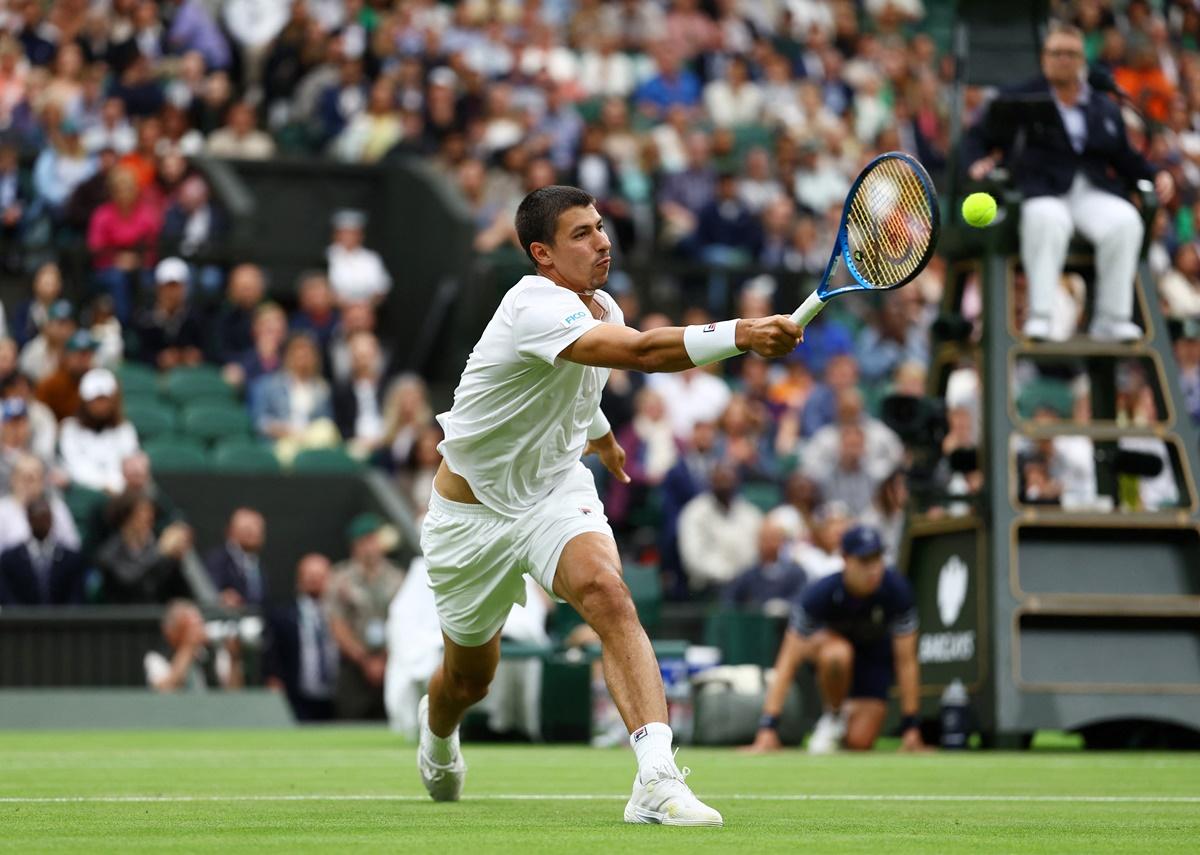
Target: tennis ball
[[979, 209]]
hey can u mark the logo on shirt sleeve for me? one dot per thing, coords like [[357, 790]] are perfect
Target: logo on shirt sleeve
[[570, 319]]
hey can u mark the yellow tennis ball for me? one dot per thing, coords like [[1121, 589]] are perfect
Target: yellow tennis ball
[[979, 209]]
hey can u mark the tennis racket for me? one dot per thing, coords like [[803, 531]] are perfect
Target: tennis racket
[[889, 229]]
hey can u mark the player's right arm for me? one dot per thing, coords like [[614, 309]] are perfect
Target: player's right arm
[[664, 349]]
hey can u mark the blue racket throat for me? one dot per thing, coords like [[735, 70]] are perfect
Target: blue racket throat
[[887, 234]]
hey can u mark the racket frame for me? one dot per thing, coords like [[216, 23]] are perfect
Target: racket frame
[[816, 301]]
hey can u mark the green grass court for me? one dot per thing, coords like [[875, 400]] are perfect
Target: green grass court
[[356, 790]]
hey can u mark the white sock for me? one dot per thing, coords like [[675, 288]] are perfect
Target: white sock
[[443, 750], [652, 745]]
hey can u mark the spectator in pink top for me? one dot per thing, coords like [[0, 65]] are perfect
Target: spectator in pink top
[[122, 236]]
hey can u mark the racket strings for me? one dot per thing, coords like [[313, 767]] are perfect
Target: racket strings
[[890, 223]]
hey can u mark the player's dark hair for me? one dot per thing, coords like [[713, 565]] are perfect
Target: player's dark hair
[[537, 216]]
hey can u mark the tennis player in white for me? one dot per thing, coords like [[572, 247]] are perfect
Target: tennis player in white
[[512, 497]]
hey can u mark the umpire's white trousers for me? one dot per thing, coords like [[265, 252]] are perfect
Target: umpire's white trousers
[[1108, 221]]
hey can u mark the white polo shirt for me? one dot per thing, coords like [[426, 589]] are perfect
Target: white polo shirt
[[520, 416]]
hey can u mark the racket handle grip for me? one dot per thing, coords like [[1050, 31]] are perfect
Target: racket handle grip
[[808, 310]]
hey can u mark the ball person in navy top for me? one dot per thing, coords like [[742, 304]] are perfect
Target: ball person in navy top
[[859, 629]]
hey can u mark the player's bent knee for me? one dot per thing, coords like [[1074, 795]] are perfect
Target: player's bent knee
[[605, 599], [836, 651], [465, 690]]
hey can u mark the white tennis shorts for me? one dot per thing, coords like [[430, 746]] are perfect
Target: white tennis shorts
[[477, 557]]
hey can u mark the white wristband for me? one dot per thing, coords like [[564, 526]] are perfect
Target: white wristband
[[711, 343], [600, 426]]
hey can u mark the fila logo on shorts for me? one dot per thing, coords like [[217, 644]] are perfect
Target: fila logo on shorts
[[638, 734], [710, 328], [570, 319]]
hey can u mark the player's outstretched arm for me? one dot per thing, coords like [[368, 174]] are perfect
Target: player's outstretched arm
[[681, 348]]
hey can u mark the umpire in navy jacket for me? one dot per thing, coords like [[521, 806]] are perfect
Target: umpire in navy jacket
[[1075, 169]]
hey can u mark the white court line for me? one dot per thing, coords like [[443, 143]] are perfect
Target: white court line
[[584, 797]]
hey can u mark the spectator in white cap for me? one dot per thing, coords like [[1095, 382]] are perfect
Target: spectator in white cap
[[169, 333], [93, 443], [356, 273]]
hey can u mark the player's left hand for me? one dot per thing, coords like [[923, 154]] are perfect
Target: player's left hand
[[911, 740], [611, 455]]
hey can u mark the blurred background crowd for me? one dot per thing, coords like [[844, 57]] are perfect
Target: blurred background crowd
[[719, 138]]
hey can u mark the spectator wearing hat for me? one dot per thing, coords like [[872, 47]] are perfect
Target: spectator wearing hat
[[27, 483], [60, 168], [359, 594], [95, 441], [169, 333], [858, 628], [41, 571], [15, 437], [356, 273], [42, 426], [39, 358], [235, 566], [60, 391]]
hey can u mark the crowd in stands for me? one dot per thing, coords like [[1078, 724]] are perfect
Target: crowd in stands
[[719, 138]]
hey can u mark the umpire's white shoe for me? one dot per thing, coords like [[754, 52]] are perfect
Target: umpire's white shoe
[[1106, 329], [443, 781], [666, 799], [827, 735]]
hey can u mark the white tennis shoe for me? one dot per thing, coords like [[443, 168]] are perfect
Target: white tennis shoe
[[666, 799], [443, 781], [827, 735]]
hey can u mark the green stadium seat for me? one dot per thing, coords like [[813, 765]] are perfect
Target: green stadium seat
[[136, 379], [745, 638], [82, 502], [245, 457], [326, 460], [1050, 394], [209, 421], [763, 496], [176, 454], [190, 386], [151, 417]]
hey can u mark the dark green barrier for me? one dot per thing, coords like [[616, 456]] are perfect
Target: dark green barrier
[[304, 513]]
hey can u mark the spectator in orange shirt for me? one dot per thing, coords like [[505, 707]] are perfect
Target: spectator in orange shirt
[[1143, 79]]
